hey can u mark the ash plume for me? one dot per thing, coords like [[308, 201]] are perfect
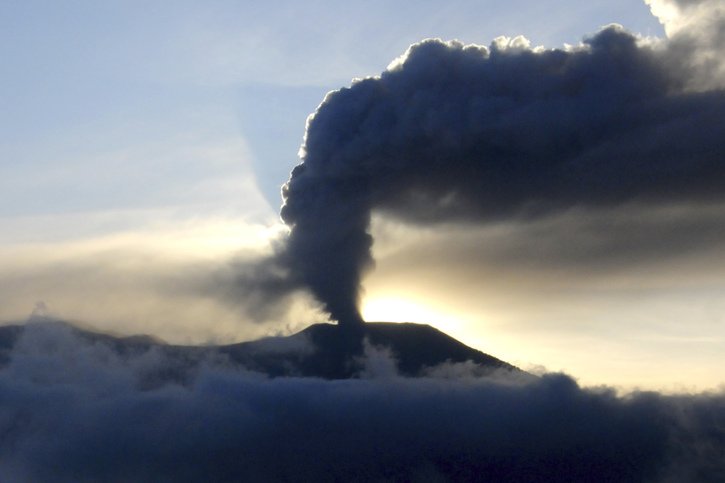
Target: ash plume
[[473, 134]]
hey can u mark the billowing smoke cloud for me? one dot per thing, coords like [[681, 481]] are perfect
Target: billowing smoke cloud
[[453, 132], [75, 411]]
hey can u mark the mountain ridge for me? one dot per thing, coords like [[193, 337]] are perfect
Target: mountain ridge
[[322, 350]]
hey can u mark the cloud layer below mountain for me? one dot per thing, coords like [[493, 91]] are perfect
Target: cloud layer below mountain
[[74, 411]]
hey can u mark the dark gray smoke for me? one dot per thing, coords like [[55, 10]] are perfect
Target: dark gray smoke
[[474, 134]]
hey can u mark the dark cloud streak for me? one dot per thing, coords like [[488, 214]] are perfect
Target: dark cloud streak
[[590, 241]]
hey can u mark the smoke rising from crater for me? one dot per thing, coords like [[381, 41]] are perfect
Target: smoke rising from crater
[[472, 134]]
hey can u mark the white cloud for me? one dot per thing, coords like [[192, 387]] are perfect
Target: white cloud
[[696, 33]]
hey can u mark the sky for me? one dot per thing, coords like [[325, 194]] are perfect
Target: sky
[[143, 148]]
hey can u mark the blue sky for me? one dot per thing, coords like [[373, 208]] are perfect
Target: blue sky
[[142, 145], [100, 96]]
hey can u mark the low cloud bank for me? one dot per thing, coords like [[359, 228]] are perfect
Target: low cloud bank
[[75, 411]]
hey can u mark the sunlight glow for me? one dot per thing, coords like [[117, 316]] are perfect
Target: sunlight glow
[[394, 309], [405, 309]]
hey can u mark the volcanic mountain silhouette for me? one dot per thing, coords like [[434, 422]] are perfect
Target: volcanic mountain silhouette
[[322, 350]]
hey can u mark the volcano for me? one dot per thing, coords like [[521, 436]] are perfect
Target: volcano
[[336, 351], [322, 350]]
